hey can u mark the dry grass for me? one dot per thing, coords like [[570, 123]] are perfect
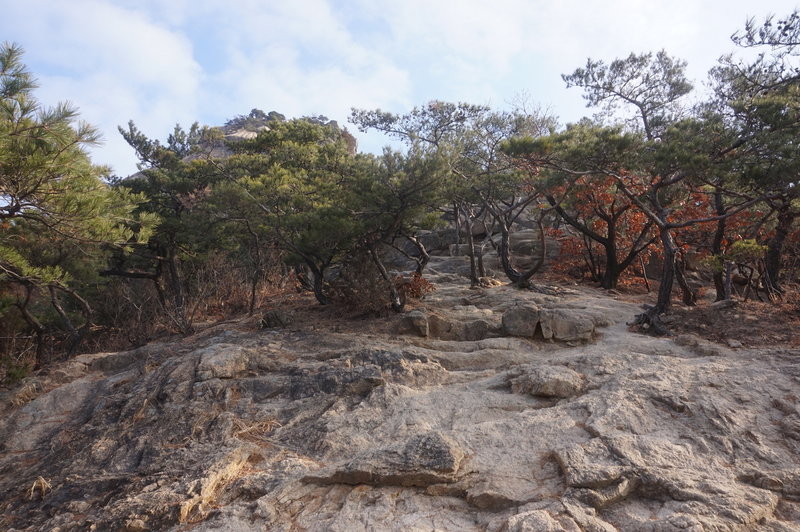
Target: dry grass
[[26, 393], [40, 485], [198, 507], [254, 431]]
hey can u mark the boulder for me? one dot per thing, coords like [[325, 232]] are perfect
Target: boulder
[[566, 325], [460, 330], [521, 320], [415, 322], [548, 381]]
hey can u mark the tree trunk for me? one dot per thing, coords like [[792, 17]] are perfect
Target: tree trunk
[[504, 254], [76, 334], [644, 274], [180, 317], [716, 247], [591, 263], [719, 286], [612, 271], [257, 269], [251, 307], [457, 215], [650, 319], [519, 279], [688, 295], [424, 256], [473, 268], [73, 331], [319, 284], [609, 277], [727, 285], [774, 254], [481, 267], [36, 325], [397, 302], [669, 248]]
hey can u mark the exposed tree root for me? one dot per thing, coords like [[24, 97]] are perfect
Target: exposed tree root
[[649, 322]]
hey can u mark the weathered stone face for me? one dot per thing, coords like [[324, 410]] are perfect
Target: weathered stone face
[[548, 381], [221, 361], [564, 325], [468, 420], [415, 322], [423, 460], [522, 320]]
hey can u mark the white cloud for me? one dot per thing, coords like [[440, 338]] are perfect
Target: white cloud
[[481, 49], [298, 58], [165, 62], [114, 63], [487, 33]]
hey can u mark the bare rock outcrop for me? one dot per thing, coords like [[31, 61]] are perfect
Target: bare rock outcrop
[[422, 460], [434, 428], [459, 323], [565, 325]]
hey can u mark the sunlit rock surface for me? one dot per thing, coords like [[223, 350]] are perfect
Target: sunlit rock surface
[[488, 409]]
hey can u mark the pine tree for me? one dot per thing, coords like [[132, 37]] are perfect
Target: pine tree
[[50, 195]]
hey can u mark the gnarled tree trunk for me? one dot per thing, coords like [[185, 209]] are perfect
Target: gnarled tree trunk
[[774, 254], [716, 247]]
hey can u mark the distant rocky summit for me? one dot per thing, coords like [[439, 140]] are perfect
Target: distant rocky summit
[[248, 126], [483, 409]]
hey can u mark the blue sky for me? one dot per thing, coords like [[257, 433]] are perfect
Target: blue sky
[[162, 62]]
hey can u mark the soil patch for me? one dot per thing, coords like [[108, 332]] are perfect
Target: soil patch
[[753, 323]]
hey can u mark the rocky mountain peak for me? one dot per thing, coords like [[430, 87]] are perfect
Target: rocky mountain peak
[[248, 126]]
